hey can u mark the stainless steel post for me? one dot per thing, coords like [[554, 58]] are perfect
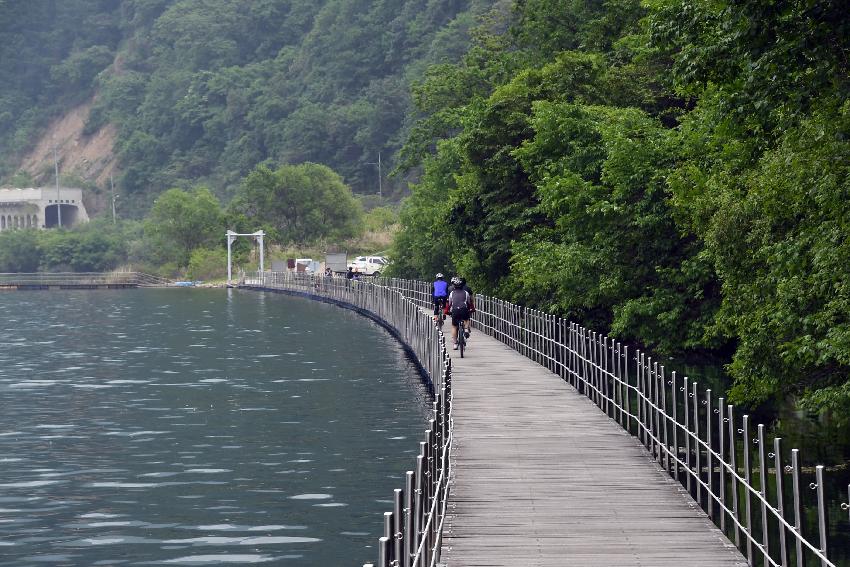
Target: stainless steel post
[[550, 342], [384, 552], [641, 399], [821, 512], [780, 498], [686, 413], [597, 367], [426, 493], [418, 503], [408, 519], [765, 542], [570, 353], [665, 422], [603, 372], [434, 468], [673, 410], [708, 455], [621, 386], [733, 451], [628, 391], [748, 504], [584, 366], [638, 399], [657, 413], [537, 337], [398, 526], [389, 521], [721, 420], [697, 445], [594, 382]]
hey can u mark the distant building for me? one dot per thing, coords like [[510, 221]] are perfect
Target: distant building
[[40, 208]]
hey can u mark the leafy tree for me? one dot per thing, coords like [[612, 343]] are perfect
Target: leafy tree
[[612, 255], [302, 203], [181, 221], [19, 251], [380, 218], [98, 246], [775, 234], [426, 244], [762, 168], [767, 62], [207, 264]]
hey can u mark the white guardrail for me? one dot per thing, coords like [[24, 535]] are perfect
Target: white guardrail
[[756, 492]]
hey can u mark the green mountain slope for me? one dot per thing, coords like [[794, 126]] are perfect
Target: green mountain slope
[[204, 90]]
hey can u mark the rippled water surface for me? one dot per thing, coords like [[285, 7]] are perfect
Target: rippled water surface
[[197, 427]]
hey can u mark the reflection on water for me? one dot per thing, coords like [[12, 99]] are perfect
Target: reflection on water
[[197, 427]]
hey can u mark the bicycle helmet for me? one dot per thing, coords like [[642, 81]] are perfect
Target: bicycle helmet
[[439, 275], [455, 280]]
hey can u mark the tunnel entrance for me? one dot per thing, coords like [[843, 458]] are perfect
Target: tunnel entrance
[[69, 216]]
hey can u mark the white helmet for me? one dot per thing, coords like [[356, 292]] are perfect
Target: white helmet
[[456, 280], [439, 275]]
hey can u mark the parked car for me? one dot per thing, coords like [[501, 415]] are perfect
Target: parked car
[[369, 265]]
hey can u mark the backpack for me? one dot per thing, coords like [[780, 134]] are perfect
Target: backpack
[[455, 303]]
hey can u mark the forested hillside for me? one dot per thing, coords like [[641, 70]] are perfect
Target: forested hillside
[[201, 91], [674, 172]]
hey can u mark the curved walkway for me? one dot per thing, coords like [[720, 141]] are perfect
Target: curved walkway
[[541, 478]]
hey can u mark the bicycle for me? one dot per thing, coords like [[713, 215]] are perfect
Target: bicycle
[[461, 338], [439, 316]]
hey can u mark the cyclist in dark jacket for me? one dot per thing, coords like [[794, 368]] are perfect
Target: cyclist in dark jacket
[[463, 285], [460, 304]]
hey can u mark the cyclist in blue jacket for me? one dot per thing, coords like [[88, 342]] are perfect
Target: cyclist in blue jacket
[[439, 293]]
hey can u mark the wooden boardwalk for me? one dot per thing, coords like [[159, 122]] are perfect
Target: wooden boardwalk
[[543, 478]]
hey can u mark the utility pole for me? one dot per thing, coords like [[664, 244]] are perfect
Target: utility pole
[[58, 204], [378, 163], [114, 197]]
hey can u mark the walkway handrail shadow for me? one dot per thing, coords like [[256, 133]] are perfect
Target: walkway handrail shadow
[[759, 495], [413, 530]]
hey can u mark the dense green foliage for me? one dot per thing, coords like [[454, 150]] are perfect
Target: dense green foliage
[[94, 247], [673, 172], [204, 90], [300, 203], [181, 222]]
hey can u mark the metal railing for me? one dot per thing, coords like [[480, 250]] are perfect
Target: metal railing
[[754, 492], [82, 279], [413, 529]]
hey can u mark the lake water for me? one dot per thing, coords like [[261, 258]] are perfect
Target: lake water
[[198, 427]]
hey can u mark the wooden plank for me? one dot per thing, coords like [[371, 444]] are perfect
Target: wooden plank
[[543, 478]]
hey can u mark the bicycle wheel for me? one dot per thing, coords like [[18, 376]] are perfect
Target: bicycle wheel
[[461, 343]]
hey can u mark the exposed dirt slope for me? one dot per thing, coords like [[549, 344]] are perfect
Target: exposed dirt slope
[[89, 157]]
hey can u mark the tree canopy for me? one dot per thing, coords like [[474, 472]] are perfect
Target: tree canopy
[[301, 203], [672, 172]]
